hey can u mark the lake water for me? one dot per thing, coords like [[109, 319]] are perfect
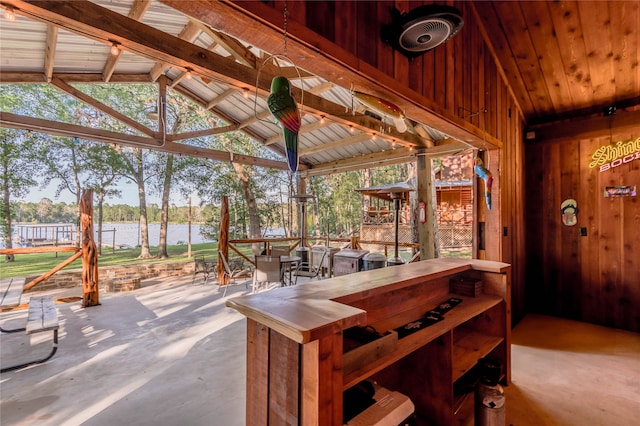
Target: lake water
[[127, 234]]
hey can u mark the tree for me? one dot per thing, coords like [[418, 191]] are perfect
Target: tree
[[18, 169], [105, 164]]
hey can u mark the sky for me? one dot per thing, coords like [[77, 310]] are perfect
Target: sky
[[129, 196]]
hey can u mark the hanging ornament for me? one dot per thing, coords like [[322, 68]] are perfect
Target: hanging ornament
[[485, 175], [383, 108], [282, 104]]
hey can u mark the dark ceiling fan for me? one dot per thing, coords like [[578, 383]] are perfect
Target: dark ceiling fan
[[421, 29]]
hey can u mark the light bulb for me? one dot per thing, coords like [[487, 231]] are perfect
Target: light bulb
[[9, 14], [245, 93], [115, 50], [188, 74]]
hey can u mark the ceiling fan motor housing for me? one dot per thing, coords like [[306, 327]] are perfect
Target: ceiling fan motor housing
[[421, 29]]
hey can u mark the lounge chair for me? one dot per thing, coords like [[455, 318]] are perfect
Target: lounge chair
[[232, 274]]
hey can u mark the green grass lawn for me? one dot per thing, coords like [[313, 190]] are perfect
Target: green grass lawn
[[34, 264]]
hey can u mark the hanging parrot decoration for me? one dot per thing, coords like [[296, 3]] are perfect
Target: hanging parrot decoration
[[486, 175], [384, 108], [285, 110]]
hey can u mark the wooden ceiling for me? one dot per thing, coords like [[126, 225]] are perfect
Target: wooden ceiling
[[566, 59]]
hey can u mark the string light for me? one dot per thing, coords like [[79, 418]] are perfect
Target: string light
[[9, 14], [188, 75], [322, 119], [245, 93], [350, 129]]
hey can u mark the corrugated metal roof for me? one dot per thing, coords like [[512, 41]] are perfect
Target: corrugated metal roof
[[23, 47]]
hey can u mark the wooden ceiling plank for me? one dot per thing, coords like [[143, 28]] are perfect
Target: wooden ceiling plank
[[73, 130], [50, 51], [498, 41], [523, 49], [546, 48], [566, 21], [625, 48], [598, 45], [83, 97]]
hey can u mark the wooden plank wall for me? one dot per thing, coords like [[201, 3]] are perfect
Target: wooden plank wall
[[592, 278], [463, 80]]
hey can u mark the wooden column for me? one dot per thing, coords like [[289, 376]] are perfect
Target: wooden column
[[89, 252], [223, 239], [427, 194]]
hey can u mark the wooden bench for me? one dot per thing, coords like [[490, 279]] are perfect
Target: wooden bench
[[42, 316]]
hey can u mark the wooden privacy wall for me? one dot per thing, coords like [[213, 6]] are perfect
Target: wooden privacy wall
[[593, 278], [459, 81]]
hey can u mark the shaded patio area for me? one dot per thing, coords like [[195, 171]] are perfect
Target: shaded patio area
[[172, 353], [168, 353]]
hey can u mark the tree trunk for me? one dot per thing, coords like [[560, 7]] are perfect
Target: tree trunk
[[252, 205], [6, 207], [164, 213], [144, 227]]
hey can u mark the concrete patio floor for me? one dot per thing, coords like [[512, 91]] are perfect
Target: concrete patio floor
[[172, 353]]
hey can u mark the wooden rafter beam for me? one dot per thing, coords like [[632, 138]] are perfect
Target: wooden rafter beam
[[83, 97], [231, 45], [201, 133], [351, 140], [17, 77], [15, 121], [137, 11], [587, 127], [103, 25], [378, 159], [50, 53], [188, 33]]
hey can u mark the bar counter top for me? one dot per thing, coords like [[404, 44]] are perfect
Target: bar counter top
[[309, 311]]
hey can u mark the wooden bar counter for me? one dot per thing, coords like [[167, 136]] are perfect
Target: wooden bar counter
[[296, 368]]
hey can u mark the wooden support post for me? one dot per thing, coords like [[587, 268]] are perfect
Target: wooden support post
[[89, 252], [427, 194], [223, 240]]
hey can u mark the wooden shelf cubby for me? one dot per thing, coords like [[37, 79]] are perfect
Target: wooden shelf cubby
[[296, 370]]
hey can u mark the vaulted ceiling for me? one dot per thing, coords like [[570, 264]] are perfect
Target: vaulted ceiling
[[562, 59]]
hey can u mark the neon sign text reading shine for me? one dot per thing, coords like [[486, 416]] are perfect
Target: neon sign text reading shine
[[610, 156]]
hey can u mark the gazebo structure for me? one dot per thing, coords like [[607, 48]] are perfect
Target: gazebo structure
[[503, 84]]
